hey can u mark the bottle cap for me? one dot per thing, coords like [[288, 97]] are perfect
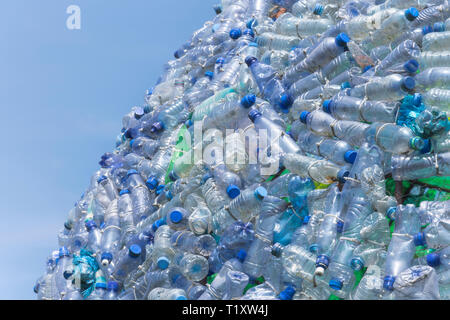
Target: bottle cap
[[113, 286], [318, 9], [181, 297], [101, 178], [303, 116], [160, 189], [250, 60], [100, 285], [248, 32], [285, 101], [339, 227], [411, 66], [408, 83], [277, 248], [253, 114], [335, 284], [342, 39], [252, 23], [176, 216], [260, 193], [124, 191], [306, 219], [342, 174], [157, 126], [131, 143], [388, 283], [350, 156], [163, 263], [138, 113], [220, 60], [63, 252], [233, 191], [419, 239], [287, 294], [326, 106], [90, 224], [209, 74], [248, 101], [427, 146], [106, 258], [357, 263], [417, 143], [427, 29], [390, 213], [367, 68], [152, 183], [134, 250], [235, 33], [411, 14], [437, 27], [131, 172], [345, 85], [433, 259], [241, 255], [322, 261]]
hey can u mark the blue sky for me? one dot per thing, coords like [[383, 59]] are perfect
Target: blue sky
[[62, 97]]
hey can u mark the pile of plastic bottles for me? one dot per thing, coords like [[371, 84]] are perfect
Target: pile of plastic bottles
[[291, 150]]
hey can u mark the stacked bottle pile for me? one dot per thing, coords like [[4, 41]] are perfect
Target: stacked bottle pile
[[291, 150]]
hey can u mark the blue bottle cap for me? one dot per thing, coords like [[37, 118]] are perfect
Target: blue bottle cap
[[113, 286], [63, 252], [131, 143], [427, 29], [335, 284], [285, 101], [433, 259], [147, 109], [241, 255], [342, 174], [427, 146], [411, 66], [253, 114], [417, 143], [250, 60], [411, 14], [437, 27], [390, 213], [134, 250], [345, 85], [90, 224], [248, 32], [306, 219], [252, 23], [181, 298], [248, 101], [157, 126], [417, 99], [131, 133], [100, 285], [124, 191], [131, 172], [388, 283], [350, 156], [408, 83], [326, 106], [220, 60], [419, 239], [260, 193], [176, 216], [366, 68], [188, 123], [277, 249], [342, 39], [107, 256], [357, 263], [163, 263], [209, 74], [303, 116], [318, 9], [233, 191], [217, 8], [173, 176], [235, 33], [176, 55], [322, 261], [152, 183], [160, 189], [67, 274], [101, 178], [287, 294], [339, 226], [138, 113]]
